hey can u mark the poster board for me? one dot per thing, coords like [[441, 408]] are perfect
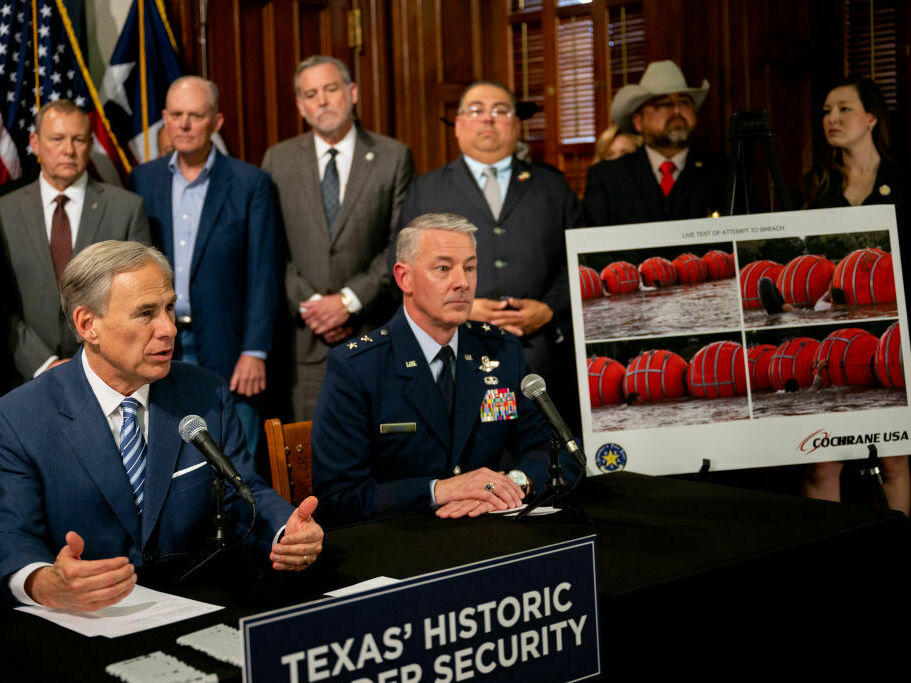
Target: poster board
[[692, 384]]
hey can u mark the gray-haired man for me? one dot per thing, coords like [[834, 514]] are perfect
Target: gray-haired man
[[341, 189]]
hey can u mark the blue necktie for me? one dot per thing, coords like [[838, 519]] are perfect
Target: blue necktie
[[330, 190], [445, 380], [133, 449]]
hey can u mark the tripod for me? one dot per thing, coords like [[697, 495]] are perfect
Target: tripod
[[753, 126]]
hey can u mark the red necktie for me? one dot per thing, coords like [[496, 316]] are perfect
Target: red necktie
[[61, 237], [667, 169]]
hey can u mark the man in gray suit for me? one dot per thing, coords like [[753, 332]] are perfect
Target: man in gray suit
[[44, 224], [341, 190]]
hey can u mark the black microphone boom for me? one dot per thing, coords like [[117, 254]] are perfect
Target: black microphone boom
[[193, 429], [534, 388]]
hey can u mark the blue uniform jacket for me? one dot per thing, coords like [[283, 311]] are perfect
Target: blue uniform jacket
[[235, 279], [60, 470], [382, 378]]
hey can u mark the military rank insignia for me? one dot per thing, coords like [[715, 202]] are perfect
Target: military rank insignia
[[499, 404]]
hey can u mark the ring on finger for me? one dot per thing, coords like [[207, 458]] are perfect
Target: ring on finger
[[489, 486]]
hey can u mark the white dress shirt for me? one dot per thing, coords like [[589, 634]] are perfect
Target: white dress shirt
[[657, 158]]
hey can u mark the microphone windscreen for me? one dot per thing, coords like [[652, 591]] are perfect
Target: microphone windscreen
[[532, 385], [190, 426]]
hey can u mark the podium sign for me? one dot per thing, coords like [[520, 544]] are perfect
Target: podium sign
[[528, 616]]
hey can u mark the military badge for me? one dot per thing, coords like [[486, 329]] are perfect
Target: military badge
[[498, 405], [491, 381], [885, 190], [411, 363], [487, 365]]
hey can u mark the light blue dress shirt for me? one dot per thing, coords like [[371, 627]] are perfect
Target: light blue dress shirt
[[504, 171]]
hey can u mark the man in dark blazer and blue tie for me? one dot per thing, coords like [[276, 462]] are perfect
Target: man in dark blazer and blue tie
[[667, 178], [214, 217], [95, 481], [426, 411]]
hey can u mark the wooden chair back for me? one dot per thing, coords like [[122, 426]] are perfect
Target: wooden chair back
[[289, 457]]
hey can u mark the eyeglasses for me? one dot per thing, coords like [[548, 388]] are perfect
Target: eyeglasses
[[674, 101], [498, 111]]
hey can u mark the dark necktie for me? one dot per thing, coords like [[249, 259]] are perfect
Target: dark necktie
[[61, 236], [445, 382], [330, 190], [667, 169]]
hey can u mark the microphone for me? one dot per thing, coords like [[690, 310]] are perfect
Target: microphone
[[193, 429], [534, 388]]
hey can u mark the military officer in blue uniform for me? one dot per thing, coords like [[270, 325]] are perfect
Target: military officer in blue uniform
[[426, 411]]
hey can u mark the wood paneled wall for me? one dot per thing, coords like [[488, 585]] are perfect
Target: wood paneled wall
[[417, 56]]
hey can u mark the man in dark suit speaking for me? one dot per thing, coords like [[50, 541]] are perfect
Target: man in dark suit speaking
[[419, 412], [44, 224], [667, 178], [214, 217], [341, 189], [92, 467]]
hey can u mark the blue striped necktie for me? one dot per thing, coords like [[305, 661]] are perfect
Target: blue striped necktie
[[330, 186], [133, 449]]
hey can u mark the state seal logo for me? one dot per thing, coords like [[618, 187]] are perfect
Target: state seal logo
[[610, 458]]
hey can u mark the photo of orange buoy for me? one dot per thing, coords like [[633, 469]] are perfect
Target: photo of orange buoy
[[888, 363], [848, 355], [717, 370], [620, 277], [589, 283], [605, 381], [865, 277]]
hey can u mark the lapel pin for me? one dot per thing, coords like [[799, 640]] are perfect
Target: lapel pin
[[95, 205], [490, 380], [384, 332], [467, 356], [411, 363], [369, 156], [523, 176], [885, 190], [698, 164], [487, 365]]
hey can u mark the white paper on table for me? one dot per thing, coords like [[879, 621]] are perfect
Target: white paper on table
[[157, 667], [537, 512], [220, 641], [141, 610], [376, 582]]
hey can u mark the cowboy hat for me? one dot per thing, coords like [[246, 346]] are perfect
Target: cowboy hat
[[660, 78]]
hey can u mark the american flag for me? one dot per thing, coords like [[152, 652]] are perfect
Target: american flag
[[38, 46]]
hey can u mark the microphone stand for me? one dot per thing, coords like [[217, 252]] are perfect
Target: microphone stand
[[870, 473], [221, 543], [557, 488]]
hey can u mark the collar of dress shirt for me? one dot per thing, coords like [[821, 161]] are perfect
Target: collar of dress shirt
[[429, 346], [203, 175], [503, 166], [75, 192], [656, 158], [110, 399], [345, 146]]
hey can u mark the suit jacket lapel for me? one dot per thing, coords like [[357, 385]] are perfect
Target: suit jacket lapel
[[644, 180], [421, 390], [469, 391], [35, 229], [216, 194], [517, 187], [686, 183], [465, 183], [92, 210], [165, 413], [164, 186], [357, 178], [90, 437]]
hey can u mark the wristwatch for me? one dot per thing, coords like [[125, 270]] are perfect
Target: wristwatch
[[520, 478]]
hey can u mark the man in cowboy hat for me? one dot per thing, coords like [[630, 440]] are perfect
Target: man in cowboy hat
[[665, 179]]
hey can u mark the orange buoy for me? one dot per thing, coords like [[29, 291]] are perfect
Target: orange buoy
[[865, 276], [804, 279], [655, 375], [759, 357], [888, 362], [717, 370], [719, 264], [690, 269], [620, 277], [605, 381], [749, 280], [793, 359], [657, 270], [849, 352], [589, 283]]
